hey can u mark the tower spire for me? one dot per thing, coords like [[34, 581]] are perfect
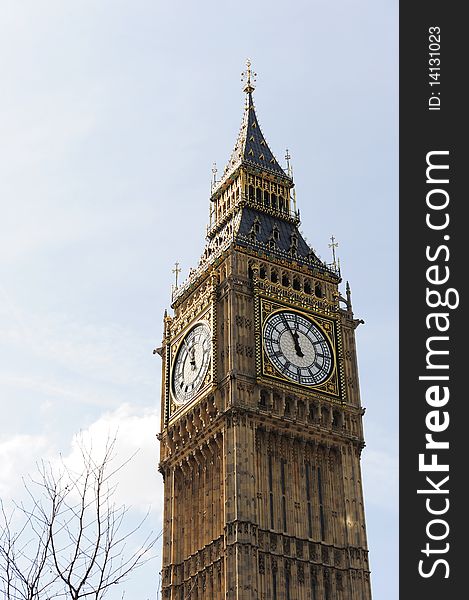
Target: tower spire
[[251, 149]]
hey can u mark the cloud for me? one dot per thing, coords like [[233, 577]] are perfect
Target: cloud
[[18, 456], [106, 352], [136, 448], [140, 484]]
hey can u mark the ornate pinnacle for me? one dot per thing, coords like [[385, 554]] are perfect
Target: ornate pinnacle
[[287, 159], [176, 271], [333, 245], [214, 175], [249, 77]]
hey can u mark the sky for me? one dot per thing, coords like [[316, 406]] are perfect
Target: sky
[[112, 113]]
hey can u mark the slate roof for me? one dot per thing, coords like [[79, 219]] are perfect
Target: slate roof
[[251, 147], [247, 237]]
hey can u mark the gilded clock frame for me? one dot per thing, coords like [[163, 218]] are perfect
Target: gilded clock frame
[[333, 387], [177, 408]]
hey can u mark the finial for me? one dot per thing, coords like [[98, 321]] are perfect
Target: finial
[[214, 174], [349, 296], [249, 77], [290, 174], [176, 271], [287, 158], [333, 245]]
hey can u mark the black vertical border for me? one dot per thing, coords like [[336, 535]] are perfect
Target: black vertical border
[[422, 131]]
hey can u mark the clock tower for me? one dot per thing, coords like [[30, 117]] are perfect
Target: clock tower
[[261, 418]]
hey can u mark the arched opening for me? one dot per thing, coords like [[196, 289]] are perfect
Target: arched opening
[[318, 290], [337, 418], [276, 401], [301, 409]]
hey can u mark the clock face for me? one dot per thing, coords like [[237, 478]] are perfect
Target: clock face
[[297, 348], [191, 364]]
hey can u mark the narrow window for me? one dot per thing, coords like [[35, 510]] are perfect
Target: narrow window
[[308, 500], [284, 513], [271, 495], [321, 506], [287, 585], [327, 589], [274, 585], [293, 243], [284, 500]]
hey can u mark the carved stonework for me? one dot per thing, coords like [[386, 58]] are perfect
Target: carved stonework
[[301, 574], [261, 564]]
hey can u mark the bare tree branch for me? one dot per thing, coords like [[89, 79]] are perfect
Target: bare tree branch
[[72, 538]]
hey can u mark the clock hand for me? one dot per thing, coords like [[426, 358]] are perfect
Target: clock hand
[[294, 337], [296, 341], [191, 353], [192, 357]]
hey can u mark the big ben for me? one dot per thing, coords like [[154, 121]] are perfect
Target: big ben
[[261, 418]]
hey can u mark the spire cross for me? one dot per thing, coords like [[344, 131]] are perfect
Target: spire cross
[[287, 158], [333, 245], [176, 271], [246, 76]]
